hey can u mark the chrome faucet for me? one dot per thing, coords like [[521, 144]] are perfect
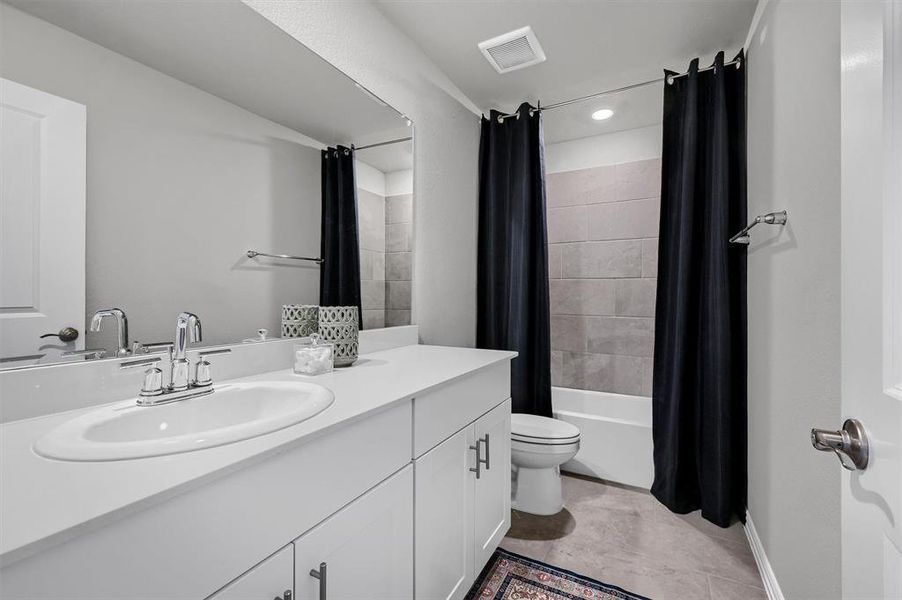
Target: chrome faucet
[[187, 329], [121, 327], [181, 386]]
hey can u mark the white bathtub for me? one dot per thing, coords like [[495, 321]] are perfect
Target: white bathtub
[[615, 441]]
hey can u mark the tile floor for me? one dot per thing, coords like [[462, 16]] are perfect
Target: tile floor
[[626, 538]]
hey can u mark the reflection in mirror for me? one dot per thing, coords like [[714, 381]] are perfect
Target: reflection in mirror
[[176, 137]]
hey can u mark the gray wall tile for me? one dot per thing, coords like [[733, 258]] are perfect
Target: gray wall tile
[[366, 264], [640, 179], [397, 295], [397, 318], [635, 298], [399, 209], [650, 258], [557, 365], [584, 186], [583, 296], [567, 224], [379, 265], [602, 259], [397, 237], [606, 373], [371, 220], [620, 335], [624, 220], [373, 319], [554, 261], [568, 333], [398, 266], [372, 294]]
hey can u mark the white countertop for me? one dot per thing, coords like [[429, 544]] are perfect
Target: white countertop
[[44, 502]]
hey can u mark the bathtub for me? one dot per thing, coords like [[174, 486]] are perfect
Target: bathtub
[[615, 441]]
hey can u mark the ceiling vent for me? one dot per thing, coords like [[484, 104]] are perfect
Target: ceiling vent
[[513, 50]]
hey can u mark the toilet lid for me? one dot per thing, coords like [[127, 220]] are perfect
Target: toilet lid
[[532, 428]]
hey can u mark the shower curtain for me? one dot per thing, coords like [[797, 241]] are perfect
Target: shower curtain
[[512, 266], [339, 275], [699, 390]]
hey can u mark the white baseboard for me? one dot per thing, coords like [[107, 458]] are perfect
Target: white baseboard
[[771, 585]]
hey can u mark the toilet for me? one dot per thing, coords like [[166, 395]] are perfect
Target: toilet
[[539, 446]]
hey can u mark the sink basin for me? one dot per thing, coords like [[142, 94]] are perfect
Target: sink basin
[[234, 412]]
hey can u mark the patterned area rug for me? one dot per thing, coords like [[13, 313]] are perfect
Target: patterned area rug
[[509, 576]]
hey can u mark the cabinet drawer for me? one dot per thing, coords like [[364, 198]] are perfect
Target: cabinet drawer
[[273, 578], [438, 414]]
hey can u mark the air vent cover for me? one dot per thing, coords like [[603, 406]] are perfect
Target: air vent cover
[[513, 50]]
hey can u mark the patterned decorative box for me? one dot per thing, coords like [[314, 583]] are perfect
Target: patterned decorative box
[[338, 324], [299, 320]]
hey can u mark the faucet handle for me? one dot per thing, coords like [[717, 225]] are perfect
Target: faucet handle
[[153, 382], [202, 374]]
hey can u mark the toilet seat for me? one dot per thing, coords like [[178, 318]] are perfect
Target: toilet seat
[[542, 431]]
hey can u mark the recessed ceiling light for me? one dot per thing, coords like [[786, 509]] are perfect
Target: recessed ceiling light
[[603, 114]]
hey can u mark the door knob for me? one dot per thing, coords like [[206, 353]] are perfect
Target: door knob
[[849, 443], [66, 334]]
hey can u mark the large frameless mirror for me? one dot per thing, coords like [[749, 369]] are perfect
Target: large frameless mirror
[[159, 157]]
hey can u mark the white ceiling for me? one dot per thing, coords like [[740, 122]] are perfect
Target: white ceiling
[[227, 49], [590, 45], [389, 158]]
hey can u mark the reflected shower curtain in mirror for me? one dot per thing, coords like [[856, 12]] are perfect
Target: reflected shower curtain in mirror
[[512, 265], [699, 390], [339, 278]]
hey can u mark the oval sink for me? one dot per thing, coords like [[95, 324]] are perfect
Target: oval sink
[[234, 412]]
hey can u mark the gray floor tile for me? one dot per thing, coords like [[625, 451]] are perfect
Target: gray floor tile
[[724, 589], [625, 537]]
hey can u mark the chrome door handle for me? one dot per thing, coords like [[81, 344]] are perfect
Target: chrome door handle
[[286, 595], [479, 460], [849, 443], [321, 575], [487, 465], [66, 334]]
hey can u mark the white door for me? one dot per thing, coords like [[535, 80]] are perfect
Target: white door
[[42, 219], [492, 506], [363, 552], [443, 520], [872, 294], [273, 579]]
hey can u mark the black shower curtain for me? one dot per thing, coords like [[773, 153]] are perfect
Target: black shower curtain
[[512, 267], [339, 275], [699, 392]]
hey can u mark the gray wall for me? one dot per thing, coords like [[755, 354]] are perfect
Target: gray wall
[[603, 244], [371, 222], [793, 292], [180, 184], [398, 258], [362, 42]]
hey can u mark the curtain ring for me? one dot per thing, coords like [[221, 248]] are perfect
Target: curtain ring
[[670, 80], [347, 151]]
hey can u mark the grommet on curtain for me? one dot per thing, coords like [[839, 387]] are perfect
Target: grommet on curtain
[[347, 151], [500, 119], [670, 80]]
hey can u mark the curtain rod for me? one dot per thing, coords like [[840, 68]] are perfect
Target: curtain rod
[[377, 144], [625, 88]]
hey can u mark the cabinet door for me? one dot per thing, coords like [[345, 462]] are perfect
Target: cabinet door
[[270, 579], [444, 518], [492, 506], [367, 547]]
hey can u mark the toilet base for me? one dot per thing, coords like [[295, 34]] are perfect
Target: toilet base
[[537, 491]]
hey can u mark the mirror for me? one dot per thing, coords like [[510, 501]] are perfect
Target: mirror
[[148, 146]]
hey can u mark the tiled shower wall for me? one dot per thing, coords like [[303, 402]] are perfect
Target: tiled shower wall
[[603, 244], [398, 246], [371, 221]]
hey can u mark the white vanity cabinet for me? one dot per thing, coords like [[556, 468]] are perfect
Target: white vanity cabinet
[[462, 508], [363, 552], [271, 579]]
